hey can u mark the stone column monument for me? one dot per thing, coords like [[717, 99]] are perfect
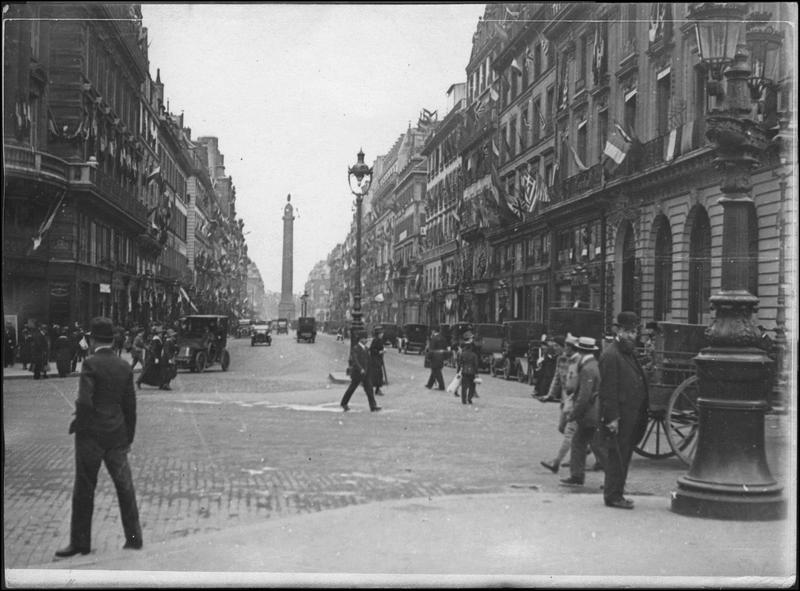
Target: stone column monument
[[286, 305]]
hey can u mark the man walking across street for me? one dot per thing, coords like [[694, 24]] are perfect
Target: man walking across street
[[360, 373], [584, 413], [563, 387], [623, 407], [376, 350], [438, 348], [104, 427], [468, 368]]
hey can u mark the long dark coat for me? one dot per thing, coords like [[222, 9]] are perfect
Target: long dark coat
[[106, 404], [376, 362]]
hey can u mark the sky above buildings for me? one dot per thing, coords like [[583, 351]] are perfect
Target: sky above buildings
[[293, 91]]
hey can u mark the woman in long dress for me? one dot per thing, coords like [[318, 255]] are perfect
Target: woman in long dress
[[378, 370]]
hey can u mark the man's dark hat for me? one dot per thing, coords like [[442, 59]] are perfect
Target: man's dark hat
[[101, 329], [627, 320]]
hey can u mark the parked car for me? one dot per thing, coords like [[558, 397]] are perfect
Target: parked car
[[415, 338], [306, 329], [520, 336], [261, 333], [390, 333], [244, 328], [489, 343], [283, 326], [202, 342]]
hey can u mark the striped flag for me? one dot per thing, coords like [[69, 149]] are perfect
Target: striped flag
[[515, 67], [493, 94], [687, 137], [618, 144], [672, 144], [48, 221]]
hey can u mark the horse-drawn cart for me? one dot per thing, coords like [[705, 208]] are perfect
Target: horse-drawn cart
[[672, 413]]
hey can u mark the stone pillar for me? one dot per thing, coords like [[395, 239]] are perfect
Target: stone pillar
[[286, 305]]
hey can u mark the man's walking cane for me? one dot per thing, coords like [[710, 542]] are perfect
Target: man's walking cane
[[385, 375]]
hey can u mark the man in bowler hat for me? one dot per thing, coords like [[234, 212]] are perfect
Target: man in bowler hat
[[360, 369], [104, 426], [623, 406]]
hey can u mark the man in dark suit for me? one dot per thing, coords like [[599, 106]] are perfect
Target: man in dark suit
[[104, 426], [438, 348], [623, 406], [360, 367]]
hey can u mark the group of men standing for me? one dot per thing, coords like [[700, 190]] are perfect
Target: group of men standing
[[40, 344], [604, 407]]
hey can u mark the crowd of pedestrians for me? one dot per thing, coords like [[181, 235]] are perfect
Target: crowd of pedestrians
[[55, 350]]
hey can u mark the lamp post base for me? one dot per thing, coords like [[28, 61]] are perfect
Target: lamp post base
[[744, 506]]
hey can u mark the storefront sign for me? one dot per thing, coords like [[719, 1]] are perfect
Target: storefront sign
[[59, 290], [105, 288]]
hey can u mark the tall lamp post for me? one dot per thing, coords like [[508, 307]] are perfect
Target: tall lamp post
[[729, 477], [360, 178]]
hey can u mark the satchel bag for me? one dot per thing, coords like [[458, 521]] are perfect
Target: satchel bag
[[454, 384]]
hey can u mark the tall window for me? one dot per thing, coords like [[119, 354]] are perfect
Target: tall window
[[628, 269], [630, 42], [512, 135], [549, 109], [699, 267], [582, 133], [580, 62], [536, 118], [662, 283], [35, 35], [537, 61], [663, 102]]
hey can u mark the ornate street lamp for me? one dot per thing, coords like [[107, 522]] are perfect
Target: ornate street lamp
[[360, 178], [729, 477]]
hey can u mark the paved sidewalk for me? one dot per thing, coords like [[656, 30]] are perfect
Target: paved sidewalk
[[522, 536], [16, 372]]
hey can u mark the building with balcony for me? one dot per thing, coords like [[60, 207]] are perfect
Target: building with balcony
[[100, 212], [442, 241]]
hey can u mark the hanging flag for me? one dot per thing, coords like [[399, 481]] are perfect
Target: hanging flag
[[495, 149], [672, 144], [524, 119], [545, 44], [52, 127], [500, 31], [515, 67], [581, 166], [544, 192], [599, 54], [156, 172], [47, 222], [687, 137], [511, 14], [493, 94], [618, 144]]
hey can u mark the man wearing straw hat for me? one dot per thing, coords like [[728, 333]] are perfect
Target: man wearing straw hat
[[585, 412], [623, 406]]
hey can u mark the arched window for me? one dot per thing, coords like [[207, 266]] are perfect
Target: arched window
[[699, 266], [662, 283], [628, 267]]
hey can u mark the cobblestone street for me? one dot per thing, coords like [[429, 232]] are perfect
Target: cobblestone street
[[224, 450]]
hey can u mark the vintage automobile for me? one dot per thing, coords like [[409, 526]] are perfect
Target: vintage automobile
[[261, 333], [202, 342], [283, 326], [390, 333], [415, 338], [244, 328], [489, 344], [520, 336], [306, 329]]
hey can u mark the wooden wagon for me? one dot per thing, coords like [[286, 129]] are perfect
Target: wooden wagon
[[672, 413]]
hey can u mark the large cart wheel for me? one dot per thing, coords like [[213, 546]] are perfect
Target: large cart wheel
[[507, 369], [225, 362], [655, 441], [683, 420]]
